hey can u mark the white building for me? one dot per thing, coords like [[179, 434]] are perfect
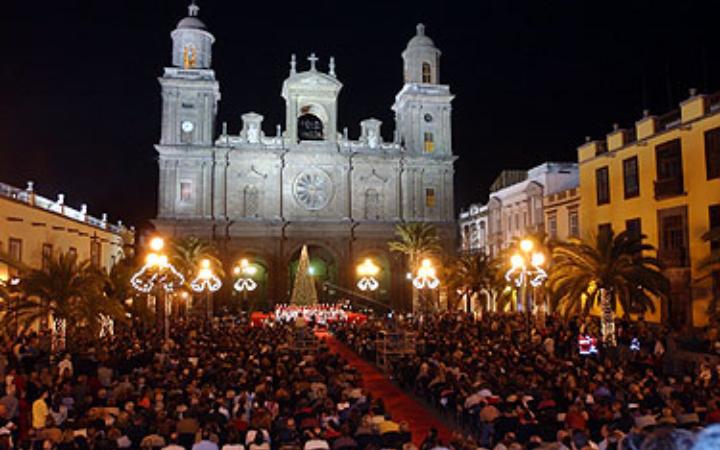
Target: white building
[[515, 207], [265, 195], [474, 228]]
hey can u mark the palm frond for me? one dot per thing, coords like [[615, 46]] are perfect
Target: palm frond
[[622, 264], [187, 253]]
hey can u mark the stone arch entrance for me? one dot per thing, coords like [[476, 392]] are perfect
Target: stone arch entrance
[[324, 267]]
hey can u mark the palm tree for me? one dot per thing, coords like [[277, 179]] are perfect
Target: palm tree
[[415, 240], [187, 253], [118, 288], [6, 300], [473, 274], [67, 290], [9, 294], [710, 265], [616, 270]]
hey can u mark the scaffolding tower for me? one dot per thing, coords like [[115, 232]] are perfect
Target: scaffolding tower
[[391, 346]]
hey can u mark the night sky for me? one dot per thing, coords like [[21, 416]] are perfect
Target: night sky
[[80, 101]]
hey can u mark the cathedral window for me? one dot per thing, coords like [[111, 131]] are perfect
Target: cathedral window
[[250, 201], [429, 146], [372, 204], [185, 191], [426, 73], [430, 197], [310, 128]]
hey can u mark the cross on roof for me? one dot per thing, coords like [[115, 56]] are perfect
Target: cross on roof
[[193, 9], [313, 59]]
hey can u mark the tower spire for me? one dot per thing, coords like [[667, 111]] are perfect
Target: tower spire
[[331, 66], [293, 64], [193, 9]]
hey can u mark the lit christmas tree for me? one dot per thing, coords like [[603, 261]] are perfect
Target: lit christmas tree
[[304, 289]]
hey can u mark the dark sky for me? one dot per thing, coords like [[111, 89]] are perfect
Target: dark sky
[[80, 103]]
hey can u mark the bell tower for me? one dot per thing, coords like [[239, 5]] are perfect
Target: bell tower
[[311, 102], [422, 107], [190, 96], [424, 130], [190, 93]]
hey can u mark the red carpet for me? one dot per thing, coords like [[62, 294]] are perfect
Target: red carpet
[[400, 405]]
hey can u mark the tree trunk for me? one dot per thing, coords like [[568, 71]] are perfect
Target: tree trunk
[[607, 319]]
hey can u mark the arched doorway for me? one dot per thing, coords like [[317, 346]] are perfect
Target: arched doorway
[[323, 267], [310, 128]]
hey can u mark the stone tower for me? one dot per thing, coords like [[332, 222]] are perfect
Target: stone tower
[[423, 121], [190, 96]]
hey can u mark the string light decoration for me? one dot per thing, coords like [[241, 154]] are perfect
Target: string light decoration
[[59, 331], [205, 280], [157, 271], [526, 269], [367, 272], [245, 271], [426, 276], [520, 271], [107, 326], [160, 276]]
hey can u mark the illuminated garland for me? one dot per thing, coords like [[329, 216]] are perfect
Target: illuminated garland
[[151, 275], [245, 284], [107, 326], [210, 282], [368, 284], [535, 276], [426, 277], [59, 330]]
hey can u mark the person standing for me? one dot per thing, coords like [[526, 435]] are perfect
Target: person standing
[[40, 410]]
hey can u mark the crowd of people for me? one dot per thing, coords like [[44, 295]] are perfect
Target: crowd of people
[[513, 391], [229, 386], [235, 386]]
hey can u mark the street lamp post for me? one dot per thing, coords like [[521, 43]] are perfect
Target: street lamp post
[[526, 271], [245, 283], [367, 271], [426, 278], [206, 281], [158, 277]]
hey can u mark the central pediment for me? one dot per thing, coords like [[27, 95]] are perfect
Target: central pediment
[[311, 80]]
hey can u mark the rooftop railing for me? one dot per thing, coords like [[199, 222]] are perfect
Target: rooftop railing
[[713, 102], [669, 120], [58, 206]]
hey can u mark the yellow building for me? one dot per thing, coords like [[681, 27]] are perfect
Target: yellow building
[[662, 179], [562, 214], [34, 228]]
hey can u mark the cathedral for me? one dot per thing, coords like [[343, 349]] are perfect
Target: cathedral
[[263, 196]]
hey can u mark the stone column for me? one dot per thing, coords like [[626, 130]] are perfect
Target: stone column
[[207, 190], [219, 204]]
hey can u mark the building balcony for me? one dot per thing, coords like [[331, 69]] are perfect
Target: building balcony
[[669, 187]]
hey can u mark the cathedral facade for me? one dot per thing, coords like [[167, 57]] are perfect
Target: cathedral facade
[[263, 196]]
